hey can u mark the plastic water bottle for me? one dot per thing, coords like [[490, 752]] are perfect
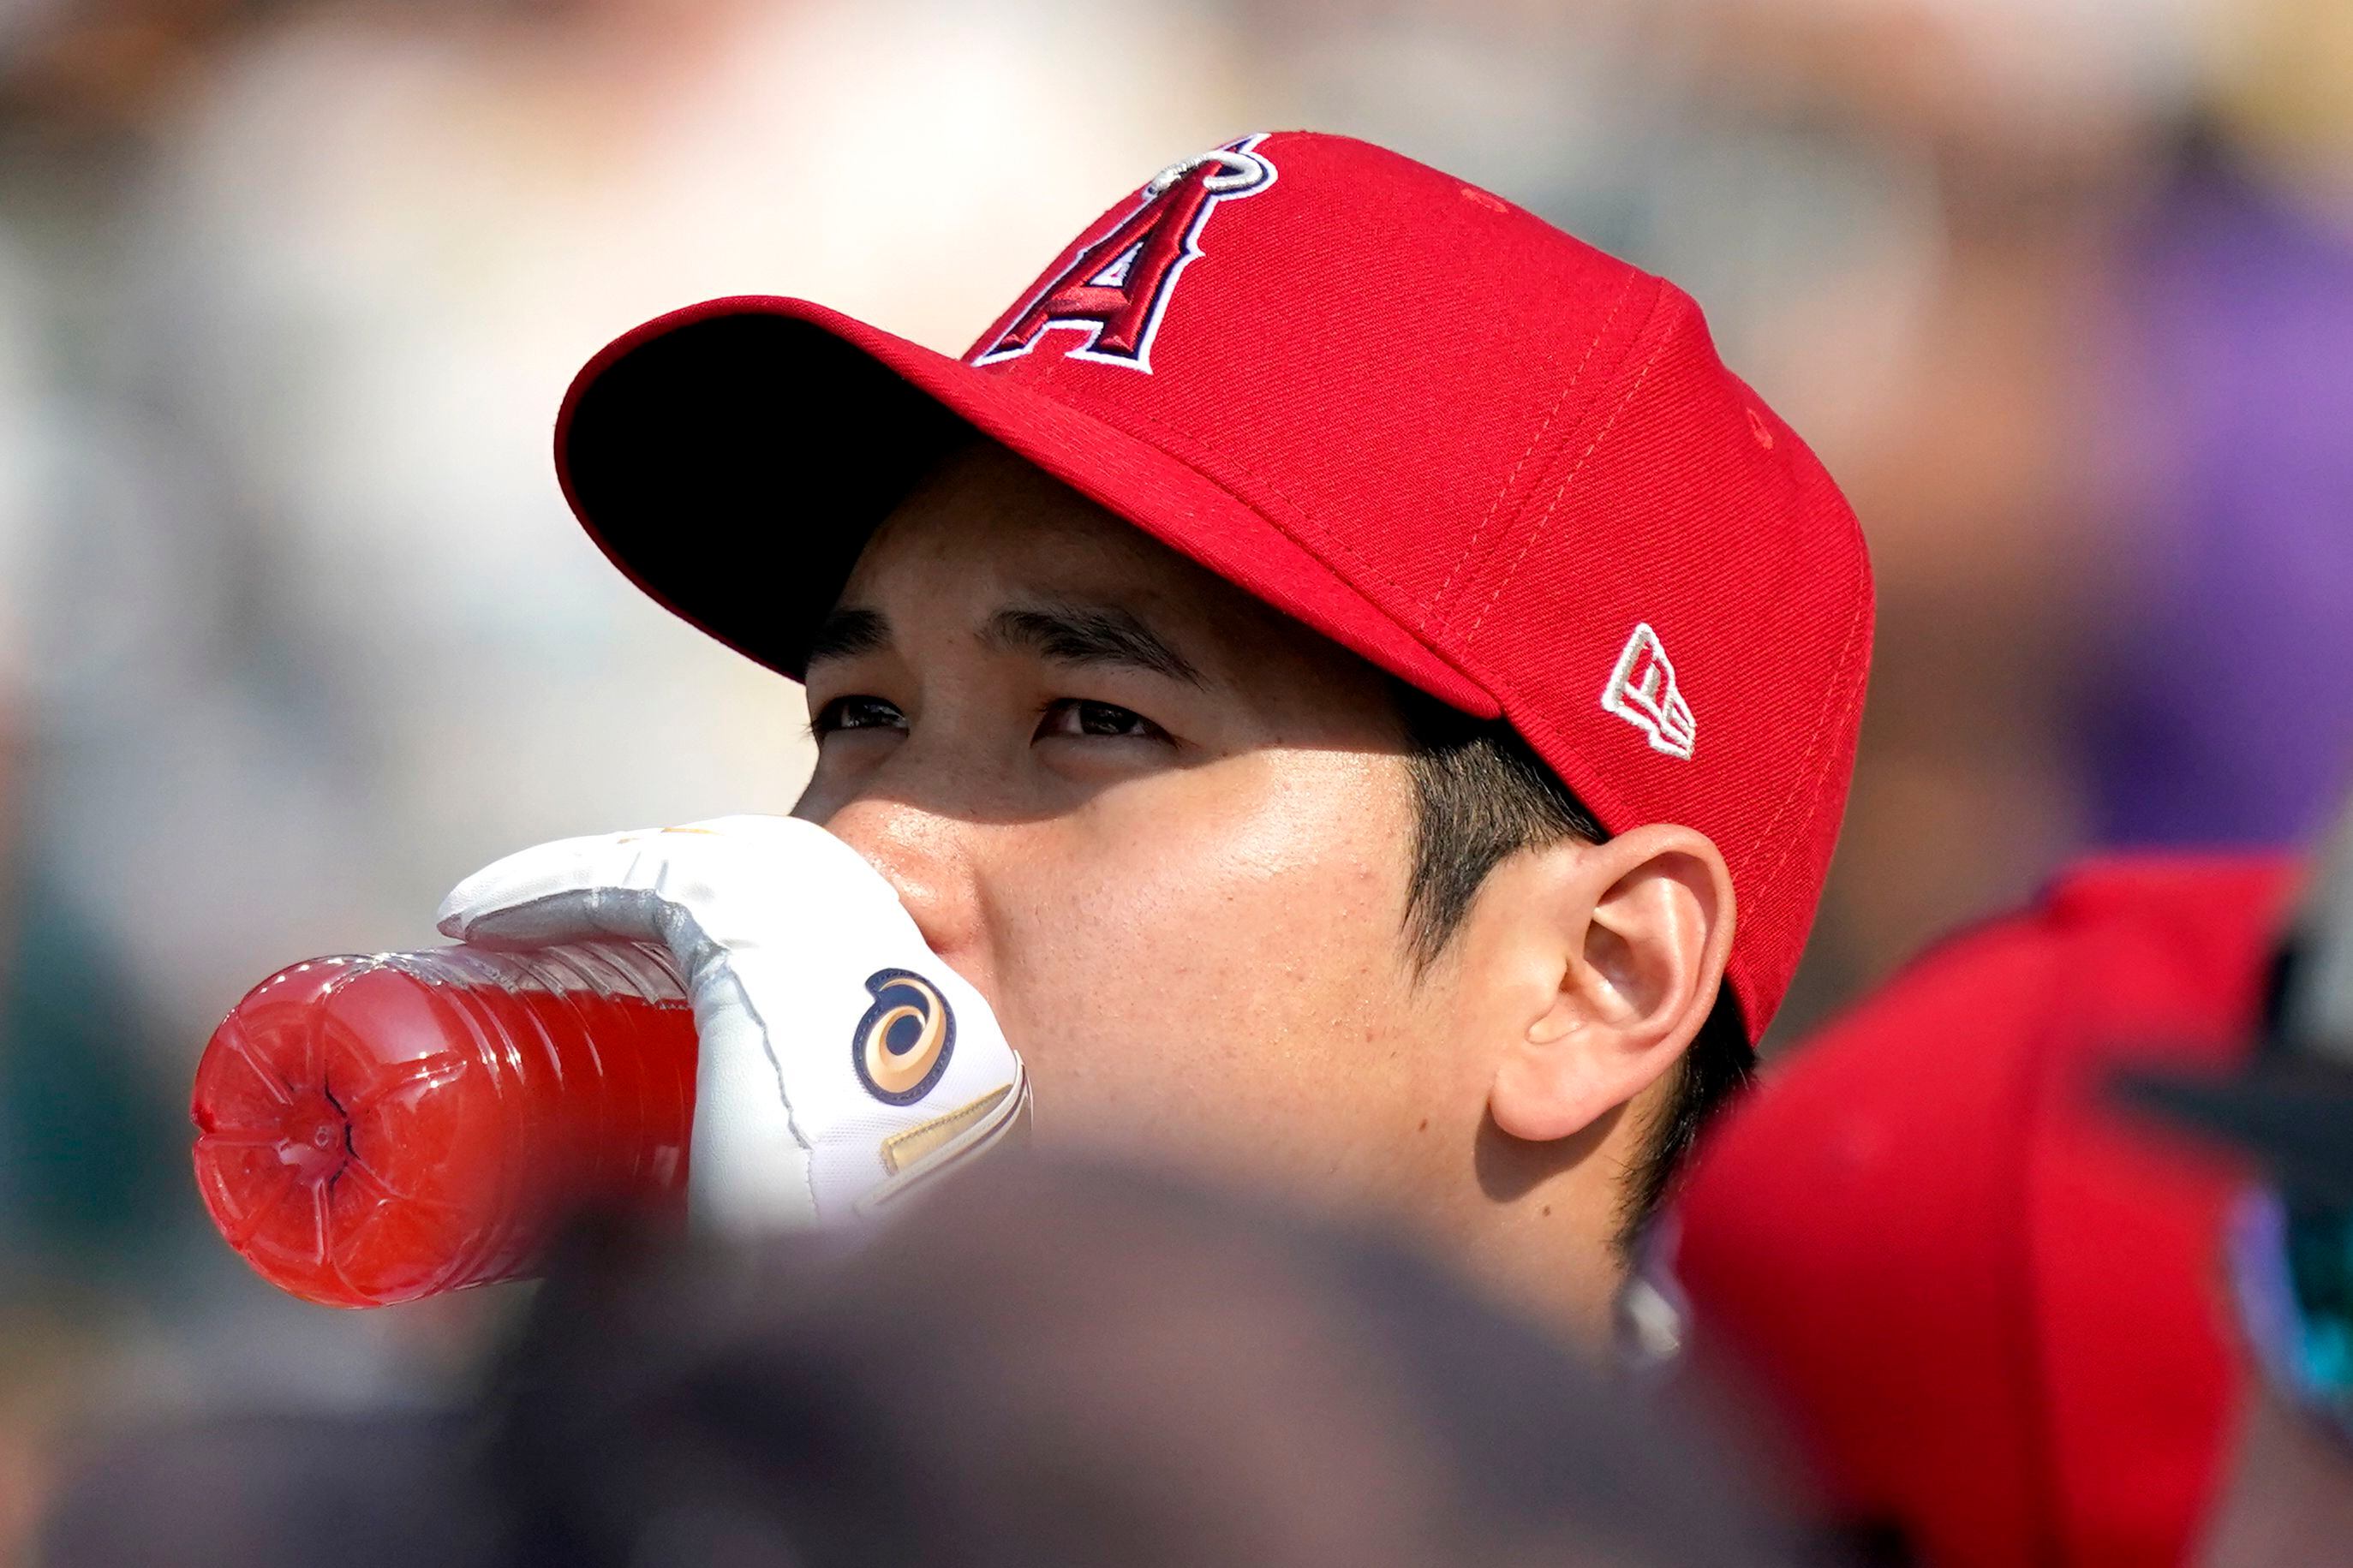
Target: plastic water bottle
[[373, 1130]]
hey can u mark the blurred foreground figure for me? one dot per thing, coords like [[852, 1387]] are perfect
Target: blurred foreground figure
[[1990, 1307], [2290, 1499], [1042, 1366]]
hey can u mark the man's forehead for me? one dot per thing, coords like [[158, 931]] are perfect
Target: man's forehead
[[988, 538], [985, 506], [987, 531], [1073, 632]]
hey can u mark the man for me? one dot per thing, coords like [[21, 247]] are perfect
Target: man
[[1326, 665]]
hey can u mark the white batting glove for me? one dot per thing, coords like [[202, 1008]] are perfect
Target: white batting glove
[[841, 1062]]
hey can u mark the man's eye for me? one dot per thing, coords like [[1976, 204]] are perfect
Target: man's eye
[[1077, 716], [857, 713]]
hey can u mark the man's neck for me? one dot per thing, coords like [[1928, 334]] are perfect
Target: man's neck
[[1541, 1232]]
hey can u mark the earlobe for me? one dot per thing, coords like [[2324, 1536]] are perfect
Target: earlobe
[[1638, 930]]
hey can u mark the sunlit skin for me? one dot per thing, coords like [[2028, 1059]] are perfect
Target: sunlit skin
[[1168, 832]]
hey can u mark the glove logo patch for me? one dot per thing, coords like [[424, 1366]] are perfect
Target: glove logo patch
[[902, 1044]]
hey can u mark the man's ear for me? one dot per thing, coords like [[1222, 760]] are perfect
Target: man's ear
[[1635, 934]]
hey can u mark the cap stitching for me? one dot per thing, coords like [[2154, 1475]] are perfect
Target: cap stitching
[[1470, 546], [1578, 467], [1813, 746], [1321, 543], [1814, 742], [1325, 544]]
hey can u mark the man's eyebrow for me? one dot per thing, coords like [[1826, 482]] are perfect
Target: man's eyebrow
[[1091, 634], [848, 632]]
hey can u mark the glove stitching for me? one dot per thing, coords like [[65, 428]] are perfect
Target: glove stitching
[[705, 959]]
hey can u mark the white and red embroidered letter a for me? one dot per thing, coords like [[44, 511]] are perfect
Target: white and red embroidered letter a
[[1116, 289]]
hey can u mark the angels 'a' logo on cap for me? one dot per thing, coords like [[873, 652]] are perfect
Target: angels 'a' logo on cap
[[1116, 289], [902, 1044], [1642, 690]]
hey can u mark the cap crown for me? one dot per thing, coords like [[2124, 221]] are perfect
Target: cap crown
[[1525, 452]]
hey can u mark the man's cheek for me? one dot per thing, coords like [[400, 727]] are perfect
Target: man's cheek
[[1119, 1019], [1107, 1075]]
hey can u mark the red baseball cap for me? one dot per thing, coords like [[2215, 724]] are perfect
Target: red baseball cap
[[1990, 1310], [1498, 464]]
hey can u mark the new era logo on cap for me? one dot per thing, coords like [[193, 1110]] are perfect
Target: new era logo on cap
[[1642, 690]]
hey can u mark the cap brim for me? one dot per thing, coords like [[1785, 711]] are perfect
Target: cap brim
[[2295, 1116], [733, 457]]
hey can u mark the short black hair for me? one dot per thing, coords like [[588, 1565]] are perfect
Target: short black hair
[[1483, 795]]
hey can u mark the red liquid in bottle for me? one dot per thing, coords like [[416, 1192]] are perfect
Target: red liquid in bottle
[[374, 1129]]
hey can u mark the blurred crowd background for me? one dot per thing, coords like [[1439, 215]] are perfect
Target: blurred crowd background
[[295, 629]]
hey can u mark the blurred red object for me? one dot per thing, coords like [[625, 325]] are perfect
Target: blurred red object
[[1989, 1309], [376, 1130]]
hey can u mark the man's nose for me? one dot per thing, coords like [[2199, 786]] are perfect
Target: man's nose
[[931, 860]]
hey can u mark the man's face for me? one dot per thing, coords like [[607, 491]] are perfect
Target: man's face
[[1163, 828]]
